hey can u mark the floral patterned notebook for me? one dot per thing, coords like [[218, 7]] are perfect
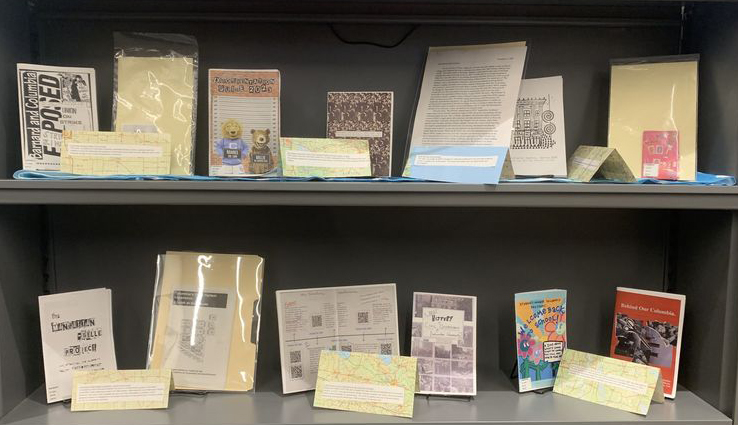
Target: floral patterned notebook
[[364, 115]]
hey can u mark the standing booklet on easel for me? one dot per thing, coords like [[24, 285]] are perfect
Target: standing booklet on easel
[[76, 334], [540, 332], [647, 329], [205, 320], [444, 340]]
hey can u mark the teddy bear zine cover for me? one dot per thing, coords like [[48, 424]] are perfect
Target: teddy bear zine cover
[[244, 122]]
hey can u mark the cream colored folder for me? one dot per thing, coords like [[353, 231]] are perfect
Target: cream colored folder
[[660, 96], [156, 95]]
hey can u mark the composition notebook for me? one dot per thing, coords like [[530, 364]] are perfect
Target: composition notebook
[[205, 320], [647, 329], [364, 115], [540, 324]]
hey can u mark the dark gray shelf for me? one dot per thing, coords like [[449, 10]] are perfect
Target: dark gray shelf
[[498, 407], [540, 195]]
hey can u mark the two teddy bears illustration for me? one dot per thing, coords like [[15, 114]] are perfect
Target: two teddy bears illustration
[[233, 149]]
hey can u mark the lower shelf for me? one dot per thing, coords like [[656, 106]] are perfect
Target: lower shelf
[[498, 407]]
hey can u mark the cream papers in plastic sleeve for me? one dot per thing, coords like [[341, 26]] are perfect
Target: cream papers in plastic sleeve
[[109, 153], [156, 95], [349, 318], [121, 389], [369, 383], [648, 97], [611, 382], [206, 315], [198, 337], [468, 95], [325, 157], [76, 334]]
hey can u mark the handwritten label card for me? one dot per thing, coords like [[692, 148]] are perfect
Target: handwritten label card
[[443, 324], [609, 382], [121, 389]]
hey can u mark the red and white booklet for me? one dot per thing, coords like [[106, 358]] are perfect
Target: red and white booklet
[[648, 329]]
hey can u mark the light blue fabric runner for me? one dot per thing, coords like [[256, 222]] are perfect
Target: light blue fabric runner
[[703, 179]]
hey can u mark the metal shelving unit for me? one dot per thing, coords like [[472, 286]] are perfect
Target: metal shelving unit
[[370, 194], [491, 241], [489, 407]]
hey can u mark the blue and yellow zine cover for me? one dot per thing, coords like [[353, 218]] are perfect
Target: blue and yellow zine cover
[[540, 325]]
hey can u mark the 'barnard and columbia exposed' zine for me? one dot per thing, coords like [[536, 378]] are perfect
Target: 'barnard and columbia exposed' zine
[[53, 99]]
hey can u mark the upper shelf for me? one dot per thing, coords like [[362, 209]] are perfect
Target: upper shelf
[[498, 407], [474, 12], [541, 195]]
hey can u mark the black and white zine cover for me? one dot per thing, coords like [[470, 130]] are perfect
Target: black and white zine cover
[[52, 99], [76, 334]]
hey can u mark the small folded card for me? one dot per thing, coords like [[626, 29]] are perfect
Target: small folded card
[[590, 160], [610, 382], [369, 383], [325, 157], [110, 153], [121, 389], [458, 164]]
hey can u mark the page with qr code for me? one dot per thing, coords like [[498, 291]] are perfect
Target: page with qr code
[[198, 338], [359, 318]]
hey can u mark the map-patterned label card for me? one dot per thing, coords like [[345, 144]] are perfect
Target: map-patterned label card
[[369, 383], [588, 162], [609, 382], [303, 157], [121, 389], [107, 153]]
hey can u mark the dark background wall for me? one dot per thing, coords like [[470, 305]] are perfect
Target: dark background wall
[[313, 61]]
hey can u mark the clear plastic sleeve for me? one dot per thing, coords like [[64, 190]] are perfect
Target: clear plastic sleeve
[[155, 90], [653, 115], [205, 320]]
